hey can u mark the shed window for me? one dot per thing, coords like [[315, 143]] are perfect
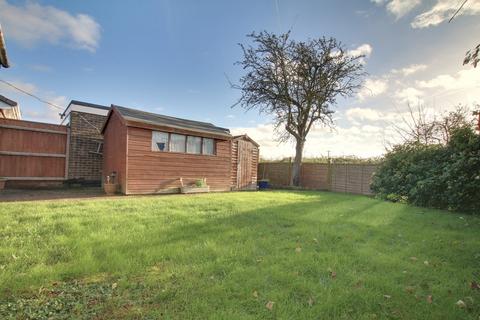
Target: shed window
[[208, 146], [177, 142], [159, 141], [194, 145]]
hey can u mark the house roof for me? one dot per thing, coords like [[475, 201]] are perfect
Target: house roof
[[7, 101], [3, 52], [167, 121]]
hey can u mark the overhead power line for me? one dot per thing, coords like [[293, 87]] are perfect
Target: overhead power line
[[458, 10], [31, 95]]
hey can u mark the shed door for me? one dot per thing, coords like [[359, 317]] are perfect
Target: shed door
[[244, 166]]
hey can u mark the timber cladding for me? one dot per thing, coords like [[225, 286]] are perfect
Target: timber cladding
[[244, 158], [348, 178], [158, 172], [128, 152], [32, 151]]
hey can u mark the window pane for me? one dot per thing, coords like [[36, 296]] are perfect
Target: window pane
[[194, 144], [159, 141], [208, 146], [177, 142]]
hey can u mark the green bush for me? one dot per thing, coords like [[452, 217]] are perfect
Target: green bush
[[439, 176]]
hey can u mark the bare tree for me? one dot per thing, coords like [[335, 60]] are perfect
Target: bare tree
[[417, 127], [298, 83]]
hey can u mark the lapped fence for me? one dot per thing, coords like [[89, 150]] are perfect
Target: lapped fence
[[347, 178]]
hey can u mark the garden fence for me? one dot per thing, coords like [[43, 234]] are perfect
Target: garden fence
[[348, 178]]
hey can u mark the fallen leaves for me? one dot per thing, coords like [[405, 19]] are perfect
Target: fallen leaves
[[386, 296], [426, 262], [255, 294], [474, 285], [410, 289], [310, 301], [269, 305], [298, 249], [413, 259], [429, 299], [461, 304]]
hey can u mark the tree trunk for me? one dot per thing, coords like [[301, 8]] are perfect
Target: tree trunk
[[297, 163]]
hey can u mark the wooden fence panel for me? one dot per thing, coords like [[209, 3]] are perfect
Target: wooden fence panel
[[314, 176], [348, 178], [32, 150]]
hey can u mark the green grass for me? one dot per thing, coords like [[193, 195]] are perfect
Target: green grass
[[225, 256]]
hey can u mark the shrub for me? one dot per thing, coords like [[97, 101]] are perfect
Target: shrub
[[440, 176]]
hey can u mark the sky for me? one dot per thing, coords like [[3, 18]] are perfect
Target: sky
[[177, 58]]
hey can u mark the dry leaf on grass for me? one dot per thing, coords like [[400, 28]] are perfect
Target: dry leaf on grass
[[298, 249], [461, 304], [114, 285], [410, 289], [255, 294], [310, 301], [425, 263], [474, 285], [269, 305], [429, 299], [386, 296], [413, 258]]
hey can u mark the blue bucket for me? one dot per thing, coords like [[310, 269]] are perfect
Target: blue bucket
[[263, 185]]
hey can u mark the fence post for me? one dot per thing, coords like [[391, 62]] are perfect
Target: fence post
[[329, 174], [361, 180]]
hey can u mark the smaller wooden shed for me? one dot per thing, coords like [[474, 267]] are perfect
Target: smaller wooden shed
[[245, 153]]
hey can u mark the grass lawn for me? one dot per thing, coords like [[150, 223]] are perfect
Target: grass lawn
[[252, 255]]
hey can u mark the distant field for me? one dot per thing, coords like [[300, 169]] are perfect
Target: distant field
[[244, 255]]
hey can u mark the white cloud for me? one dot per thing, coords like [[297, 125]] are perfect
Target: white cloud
[[230, 116], [372, 88], [362, 114], [401, 7], [398, 8], [364, 49], [33, 23], [443, 11], [463, 79], [409, 95], [41, 68], [411, 69]]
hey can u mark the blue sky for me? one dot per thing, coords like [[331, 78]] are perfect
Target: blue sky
[[174, 57]]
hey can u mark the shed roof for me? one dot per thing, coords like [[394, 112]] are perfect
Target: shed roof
[[246, 137], [3, 51], [167, 121]]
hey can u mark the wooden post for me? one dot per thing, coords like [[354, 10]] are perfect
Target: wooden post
[[329, 174], [290, 169], [67, 152], [361, 180]]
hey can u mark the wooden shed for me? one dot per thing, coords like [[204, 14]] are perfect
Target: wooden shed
[[245, 153], [152, 153]]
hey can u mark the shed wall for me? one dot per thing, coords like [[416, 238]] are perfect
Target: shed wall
[[115, 150], [160, 172]]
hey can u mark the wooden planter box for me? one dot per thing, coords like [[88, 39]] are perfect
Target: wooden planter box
[[110, 188], [194, 189]]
